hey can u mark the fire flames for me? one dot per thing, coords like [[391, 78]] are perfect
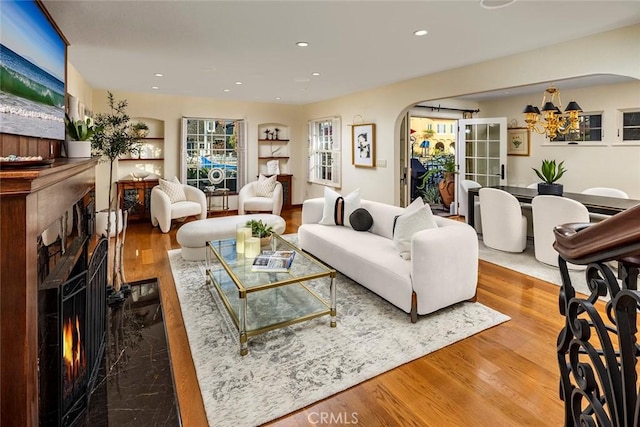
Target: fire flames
[[73, 350]]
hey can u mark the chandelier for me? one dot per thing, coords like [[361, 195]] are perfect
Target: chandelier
[[555, 121]]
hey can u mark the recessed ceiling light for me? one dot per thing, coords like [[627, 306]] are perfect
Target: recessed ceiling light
[[302, 44], [420, 33], [278, 98], [154, 87], [315, 74], [495, 4], [238, 83], [158, 74], [226, 90]]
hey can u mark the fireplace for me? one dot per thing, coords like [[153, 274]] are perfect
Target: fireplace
[[71, 317]]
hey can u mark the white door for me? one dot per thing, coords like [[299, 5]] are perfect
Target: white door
[[481, 152]]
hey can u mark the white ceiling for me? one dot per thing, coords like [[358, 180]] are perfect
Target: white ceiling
[[204, 47]]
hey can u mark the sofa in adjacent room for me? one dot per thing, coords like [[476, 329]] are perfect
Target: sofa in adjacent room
[[442, 265]]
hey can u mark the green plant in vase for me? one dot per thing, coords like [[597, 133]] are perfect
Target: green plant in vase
[[261, 230], [550, 173]]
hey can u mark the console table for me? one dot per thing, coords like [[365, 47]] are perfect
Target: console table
[[594, 204]]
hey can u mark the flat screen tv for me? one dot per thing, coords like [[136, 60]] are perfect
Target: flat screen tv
[[32, 72]]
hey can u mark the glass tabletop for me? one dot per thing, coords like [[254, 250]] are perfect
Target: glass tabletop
[[240, 269]]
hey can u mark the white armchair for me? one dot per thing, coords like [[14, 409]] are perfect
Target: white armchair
[[607, 192], [163, 211], [250, 201]]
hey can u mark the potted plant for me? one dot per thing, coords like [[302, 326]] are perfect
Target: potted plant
[[261, 230], [114, 137], [549, 173], [79, 134]]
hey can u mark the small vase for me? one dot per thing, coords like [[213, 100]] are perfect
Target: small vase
[[550, 189], [264, 241]]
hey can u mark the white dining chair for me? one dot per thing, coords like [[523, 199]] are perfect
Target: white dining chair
[[607, 192], [463, 203], [549, 211], [503, 225]]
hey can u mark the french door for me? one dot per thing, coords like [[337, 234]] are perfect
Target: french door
[[481, 152]]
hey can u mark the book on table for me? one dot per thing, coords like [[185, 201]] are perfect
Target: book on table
[[273, 261]]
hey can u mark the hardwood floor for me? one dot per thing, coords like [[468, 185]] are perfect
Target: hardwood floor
[[504, 376]]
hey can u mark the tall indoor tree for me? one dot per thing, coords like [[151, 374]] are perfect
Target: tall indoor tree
[[115, 136]]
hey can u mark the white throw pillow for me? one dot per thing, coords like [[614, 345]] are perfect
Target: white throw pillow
[[415, 205], [335, 213], [410, 223], [265, 186], [173, 190]]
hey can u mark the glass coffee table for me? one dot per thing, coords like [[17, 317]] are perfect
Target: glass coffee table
[[262, 301]]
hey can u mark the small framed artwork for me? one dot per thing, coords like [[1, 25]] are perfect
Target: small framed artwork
[[363, 139], [518, 142]]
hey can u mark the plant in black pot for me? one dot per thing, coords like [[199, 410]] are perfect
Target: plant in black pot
[[549, 173]]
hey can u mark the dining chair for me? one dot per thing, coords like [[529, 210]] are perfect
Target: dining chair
[[607, 192], [549, 211], [503, 225], [463, 203]]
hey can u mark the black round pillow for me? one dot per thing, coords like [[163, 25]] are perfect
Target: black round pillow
[[361, 220]]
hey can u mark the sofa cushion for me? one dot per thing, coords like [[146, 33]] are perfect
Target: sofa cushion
[[173, 190], [408, 224], [337, 209], [361, 220]]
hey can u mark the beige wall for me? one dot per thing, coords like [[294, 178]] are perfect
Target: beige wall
[[171, 109], [614, 52], [78, 87], [610, 163]]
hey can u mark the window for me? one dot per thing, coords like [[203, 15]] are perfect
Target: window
[[213, 144], [325, 152], [590, 129], [631, 126]]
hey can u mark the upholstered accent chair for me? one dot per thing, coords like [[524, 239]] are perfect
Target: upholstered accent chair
[[254, 197], [167, 205], [549, 211], [503, 225], [463, 203], [607, 192]]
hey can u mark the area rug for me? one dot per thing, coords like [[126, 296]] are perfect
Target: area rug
[[293, 367]]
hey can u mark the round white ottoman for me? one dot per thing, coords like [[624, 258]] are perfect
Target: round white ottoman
[[193, 236]]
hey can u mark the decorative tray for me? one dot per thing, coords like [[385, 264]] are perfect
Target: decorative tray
[[18, 164]]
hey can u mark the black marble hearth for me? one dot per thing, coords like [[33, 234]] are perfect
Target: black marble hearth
[[135, 383]]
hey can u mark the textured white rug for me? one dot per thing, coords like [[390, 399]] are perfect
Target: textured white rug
[[290, 368], [527, 263]]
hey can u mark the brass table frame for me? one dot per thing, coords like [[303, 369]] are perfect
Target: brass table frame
[[281, 280]]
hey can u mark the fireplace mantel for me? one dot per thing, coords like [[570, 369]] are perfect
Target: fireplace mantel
[[30, 200]]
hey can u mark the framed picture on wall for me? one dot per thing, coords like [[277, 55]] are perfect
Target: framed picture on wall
[[518, 141], [363, 139]]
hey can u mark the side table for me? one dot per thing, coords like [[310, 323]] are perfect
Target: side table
[[217, 192]]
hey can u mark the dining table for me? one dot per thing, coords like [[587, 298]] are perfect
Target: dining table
[[594, 204]]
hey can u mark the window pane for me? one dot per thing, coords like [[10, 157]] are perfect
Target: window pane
[[631, 119], [631, 134]]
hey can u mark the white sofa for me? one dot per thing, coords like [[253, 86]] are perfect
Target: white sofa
[[443, 269]]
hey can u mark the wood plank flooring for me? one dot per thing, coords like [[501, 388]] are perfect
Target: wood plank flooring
[[504, 376]]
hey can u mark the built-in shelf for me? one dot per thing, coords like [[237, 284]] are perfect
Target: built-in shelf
[[150, 138], [273, 157], [273, 140], [148, 159]]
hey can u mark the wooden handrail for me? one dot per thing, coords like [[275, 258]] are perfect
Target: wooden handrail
[[614, 238]]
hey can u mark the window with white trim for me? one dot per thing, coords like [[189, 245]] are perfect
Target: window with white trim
[[631, 126], [325, 151], [590, 129]]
